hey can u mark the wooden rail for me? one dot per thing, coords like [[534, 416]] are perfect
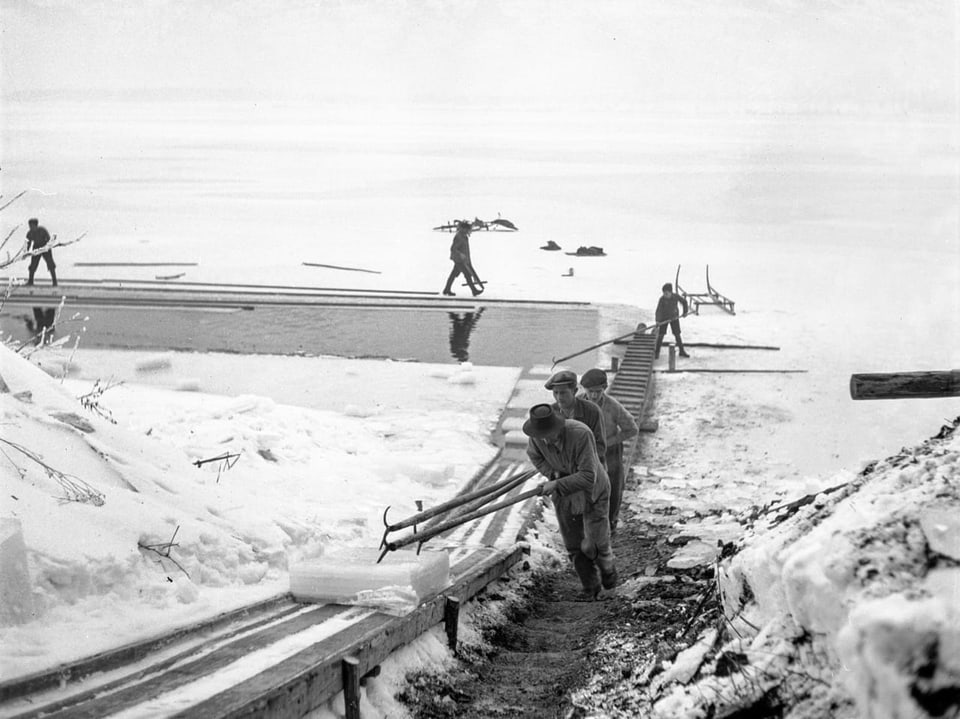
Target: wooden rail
[[306, 679]]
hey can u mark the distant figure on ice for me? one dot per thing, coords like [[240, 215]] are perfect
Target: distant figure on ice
[[563, 384], [563, 451], [38, 237], [461, 325], [669, 313], [460, 254], [619, 426]]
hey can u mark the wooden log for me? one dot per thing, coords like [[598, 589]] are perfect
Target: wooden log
[[905, 385]]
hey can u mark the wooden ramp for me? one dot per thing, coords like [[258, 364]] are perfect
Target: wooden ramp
[[633, 383]]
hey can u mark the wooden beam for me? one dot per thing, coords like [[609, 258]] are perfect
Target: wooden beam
[[905, 385], [735, 371], [341, 267], [351, 687], [451, 620], [731, 347]]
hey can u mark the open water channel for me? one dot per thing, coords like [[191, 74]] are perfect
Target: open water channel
[[486, 335]]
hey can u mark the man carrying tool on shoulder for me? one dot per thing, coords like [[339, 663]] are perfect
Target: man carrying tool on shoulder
[[462, 264], [563, 384], [564, 451], [620, 427]]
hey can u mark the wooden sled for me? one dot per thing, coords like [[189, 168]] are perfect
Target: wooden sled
[[710, 297]]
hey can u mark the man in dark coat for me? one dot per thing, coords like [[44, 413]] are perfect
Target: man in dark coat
[[668, 312], [563, 384], [564, 451], [460, 254], [38, 237]]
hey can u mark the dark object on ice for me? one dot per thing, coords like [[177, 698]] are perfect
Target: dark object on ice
[[592, 251], [905, 385], [551, 245]]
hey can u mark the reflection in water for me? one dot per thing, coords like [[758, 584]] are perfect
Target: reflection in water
[[41, 327], [461, 325]]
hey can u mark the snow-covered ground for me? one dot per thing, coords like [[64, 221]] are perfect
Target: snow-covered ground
[[820, 188]]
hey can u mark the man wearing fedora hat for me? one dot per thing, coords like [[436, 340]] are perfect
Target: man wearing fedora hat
[[462, 264], [564, 451], [619, 426], [563, 384]]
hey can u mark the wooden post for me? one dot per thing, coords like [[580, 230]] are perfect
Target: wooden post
[[451, 619], [672, 358], [351, 687], [905, 385]]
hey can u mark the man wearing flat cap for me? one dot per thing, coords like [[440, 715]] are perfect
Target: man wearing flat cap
[[564, 451], [619, 426], [563, 384]]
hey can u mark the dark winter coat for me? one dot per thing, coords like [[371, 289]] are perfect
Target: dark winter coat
[[587, 412], [667, 307]]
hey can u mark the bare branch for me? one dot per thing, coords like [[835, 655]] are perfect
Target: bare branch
[[74, 488], [17, 197], [163, 550]]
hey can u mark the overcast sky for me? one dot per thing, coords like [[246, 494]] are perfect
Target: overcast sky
[[633, 52]]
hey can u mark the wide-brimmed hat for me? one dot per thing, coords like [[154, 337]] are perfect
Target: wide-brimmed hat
[[593, 378], [561, 378], [544, 421]]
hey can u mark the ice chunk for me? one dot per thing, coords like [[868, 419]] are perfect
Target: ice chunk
[[352, 576], [942, 529], [693, 554], [16, 599], [515, 438]]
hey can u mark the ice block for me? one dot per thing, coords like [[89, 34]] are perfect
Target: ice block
[[16, 597], [352, 576]]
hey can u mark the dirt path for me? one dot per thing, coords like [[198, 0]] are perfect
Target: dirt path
[[543, 656]]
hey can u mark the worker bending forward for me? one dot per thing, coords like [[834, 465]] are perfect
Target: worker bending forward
[[564, 451]]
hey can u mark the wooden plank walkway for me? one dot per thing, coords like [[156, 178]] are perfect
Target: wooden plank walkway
[[282, 660]]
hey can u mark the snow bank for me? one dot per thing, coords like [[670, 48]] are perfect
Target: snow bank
[[854, 594], [154, 508]]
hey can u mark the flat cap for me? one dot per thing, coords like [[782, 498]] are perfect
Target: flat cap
[[563, 377], [594, 378]]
